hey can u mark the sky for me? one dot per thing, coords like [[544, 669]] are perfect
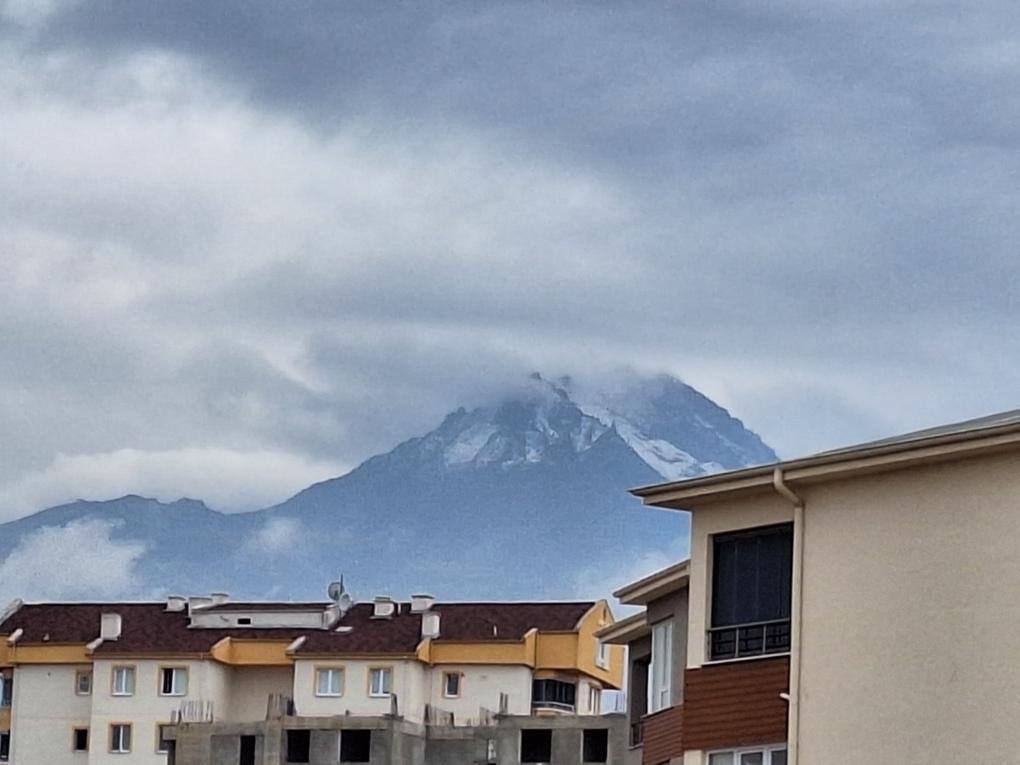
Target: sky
[[244, 246]]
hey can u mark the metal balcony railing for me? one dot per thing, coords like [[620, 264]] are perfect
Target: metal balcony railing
[[559, 706], [738, 641]]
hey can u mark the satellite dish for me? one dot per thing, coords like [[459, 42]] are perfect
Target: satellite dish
[[338, 594]]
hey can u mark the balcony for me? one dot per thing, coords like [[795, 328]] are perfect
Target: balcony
[[739, 641], [553, 696]]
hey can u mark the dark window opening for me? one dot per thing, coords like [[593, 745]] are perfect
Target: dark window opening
[[596, 745], [81, 740], [536, 745], [299, 745], [247, 751], [5, 746], [355, 745], [553, 694], [752, 574], [244, 620]]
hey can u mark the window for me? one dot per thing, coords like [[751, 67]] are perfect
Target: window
[[120, 738], [775, 755], [752, 575], [5, 746], [247, 755], [173, 681], [244, 621], [6, 690], [163, 744], [299, 745], [661, 669], [123, 681], [329, 681], [355, 745], [451, 685], [602, 655], [83, 682], [596, 745], [536, 745], [380, 681], [594, 700], [554, 694], [80, 740]]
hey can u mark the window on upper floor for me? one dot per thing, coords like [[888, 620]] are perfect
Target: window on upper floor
[[80, 740], [123, 681], [120, 738], [602, 655], [5, 746], [451, 685], [329, 681], [536, 745], [660, 686], [751, 590], [595, 747], [355, 746], [554, 694], [761, 755], [594, 700], [6, 690], [380, 682], [173, 681], [83, 682]]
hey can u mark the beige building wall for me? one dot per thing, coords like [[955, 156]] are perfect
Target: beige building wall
[[911, 635], [250, 689], [356, 700], [44, 712]]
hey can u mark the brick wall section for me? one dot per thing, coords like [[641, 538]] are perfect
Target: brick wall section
[[663, 736], [738, 704]]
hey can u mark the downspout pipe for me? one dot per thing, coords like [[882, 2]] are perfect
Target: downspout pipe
[[783, 489]]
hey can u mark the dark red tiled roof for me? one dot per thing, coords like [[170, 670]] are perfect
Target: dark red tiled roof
[[150, 628]]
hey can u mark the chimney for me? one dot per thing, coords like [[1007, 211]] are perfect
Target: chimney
[[176, 603], [109, 626], [219, 598], [430, 624], [383, 608], [421, 603]]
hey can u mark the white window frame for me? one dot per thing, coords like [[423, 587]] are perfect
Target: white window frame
[[126, 688], [330, 672], [386, 688], [175, 688], [594, 699], [736, 754], [446, 685], [120, 748], [602, 655], [660, 670], [78, 676], [159, 737]]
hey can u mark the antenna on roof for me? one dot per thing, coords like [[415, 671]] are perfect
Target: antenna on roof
[[339, 595]]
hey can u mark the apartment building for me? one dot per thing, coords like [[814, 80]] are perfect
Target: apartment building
[[121, 682], [853, 606]]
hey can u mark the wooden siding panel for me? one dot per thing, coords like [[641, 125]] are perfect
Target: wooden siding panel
[[738, 704], [663, 736]]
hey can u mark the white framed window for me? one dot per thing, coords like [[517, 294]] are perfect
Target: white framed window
[[602, 655], [123, 682], [661, 668], [451, 685], [755, 755], [594, 700], [162, 742], [120, 738], [380, 681], [329, 681], [83, 682], [173, 681]]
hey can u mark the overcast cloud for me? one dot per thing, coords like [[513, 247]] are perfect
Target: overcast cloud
[[305, 232]]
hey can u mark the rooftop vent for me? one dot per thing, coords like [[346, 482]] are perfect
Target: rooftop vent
[[197, 603], [421, 603], [219, 598], [430, 624], [109, 626], [176, 603], [383, 608]]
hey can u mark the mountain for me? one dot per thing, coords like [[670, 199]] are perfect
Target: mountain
[[522, 498]]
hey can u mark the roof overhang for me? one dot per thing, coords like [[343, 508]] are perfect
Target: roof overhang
[[655, 586], [846, 463], [625, 631]]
